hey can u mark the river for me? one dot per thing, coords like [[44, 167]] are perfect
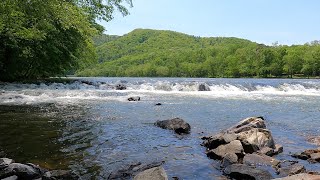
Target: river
[[91, 128]]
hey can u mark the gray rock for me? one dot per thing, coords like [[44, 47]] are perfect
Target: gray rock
[[135, 98], [203, 87], [4, 162], [178, 125], [21, 170], [156, 173], [257, 138], [267, 151], [14, 177], [312, 155], [302, 176], [291, 169], [260, 160], [228, 159], [59, 174], [247, 124], [214, 141], [241, 172], [132, 170], [234, 147], [121, 87]]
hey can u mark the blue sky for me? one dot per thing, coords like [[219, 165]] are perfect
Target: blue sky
[[263, 21]]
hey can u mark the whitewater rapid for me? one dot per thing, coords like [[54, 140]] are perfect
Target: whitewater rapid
[[104, 89]]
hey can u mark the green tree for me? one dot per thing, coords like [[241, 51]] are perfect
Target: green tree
[[42, 38]]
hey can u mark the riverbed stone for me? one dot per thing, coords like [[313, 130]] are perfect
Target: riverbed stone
[[203, 87], [4, 162], [260, 160], [241, 172], [121, 87], [228, 159], [21, 170], [178, 125], [247, 124], [134, 98], [132, 170], [14, 177], [59, 174], [156, 173], [234, 147], [267, 151], [312, 155], [292, 169], [302, 176]]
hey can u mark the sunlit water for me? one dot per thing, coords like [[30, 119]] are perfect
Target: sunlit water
[[91, 128]]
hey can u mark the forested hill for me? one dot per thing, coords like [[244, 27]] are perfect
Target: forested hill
[[152, 53]]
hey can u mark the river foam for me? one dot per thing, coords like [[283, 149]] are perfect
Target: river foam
[[103, 89]]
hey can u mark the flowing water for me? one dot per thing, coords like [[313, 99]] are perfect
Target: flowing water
[[89, 127]]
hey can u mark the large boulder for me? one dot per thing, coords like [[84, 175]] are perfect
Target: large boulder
[[178, 125], [255, 139], [156, 173], [241, 172], [250, 132], [234, 147], [247, 124]]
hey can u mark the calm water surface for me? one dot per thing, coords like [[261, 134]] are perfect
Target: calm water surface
[[91, 128]]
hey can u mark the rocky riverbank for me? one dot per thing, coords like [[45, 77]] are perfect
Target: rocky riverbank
[[10, 170], [248, 151]]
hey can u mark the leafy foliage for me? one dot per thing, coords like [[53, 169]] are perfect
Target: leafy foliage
[[41, 38], [151, 53]]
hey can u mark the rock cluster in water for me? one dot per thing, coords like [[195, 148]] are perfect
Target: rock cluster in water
[[246, 151], [11, 170]]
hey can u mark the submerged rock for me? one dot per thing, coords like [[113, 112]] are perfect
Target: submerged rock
[[178, 125], [203, 87], [135, 98], [241, 172], [156, 173], [121, 87]]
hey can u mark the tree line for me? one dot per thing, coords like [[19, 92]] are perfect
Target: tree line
[[155, 53]]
